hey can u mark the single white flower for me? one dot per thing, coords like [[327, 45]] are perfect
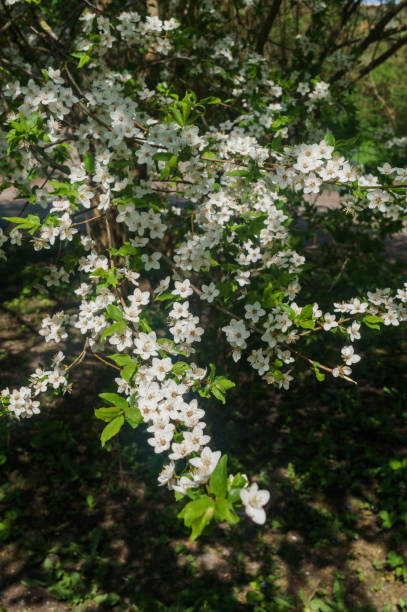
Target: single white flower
[[254, 499]]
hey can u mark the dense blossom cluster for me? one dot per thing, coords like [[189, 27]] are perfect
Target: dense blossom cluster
[[122, 148]]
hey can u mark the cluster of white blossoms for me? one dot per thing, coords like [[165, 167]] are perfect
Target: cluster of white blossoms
[[53, 329], [227, 249], [399, 142], [22, 403], [175, 426], [55, 276]]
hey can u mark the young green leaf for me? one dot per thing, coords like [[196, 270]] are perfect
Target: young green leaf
[[210, 100], [128, 371], [223, 383], [115, 399], [116, 328], [219, 478], [107, 414], [114, 312], [200, 523], [133, 416], [121, 360], [88, 161], [224, 511], [111, 429], [195, 509], [180, 367]]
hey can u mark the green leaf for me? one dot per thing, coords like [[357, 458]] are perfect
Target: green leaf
[[167, 296], [307, 324], [271, 298], [144, 325], [169, 167], [237, 173], [30, 222], [133, 416], [394, 559], [64, 189], [387, 518], [219, 478], [115, 399], [89, 162], [180, 367], [111, 429], [224, 511], [200, 523], [227, 289], [195, 509], [306, 312], [318, 605], [124, 250], [187, 104], [85, 59], [218, 394], [223, 383], [83, 56], [162, 156], [114, 312], [212, 369], [121, 360], [111, 275], [346, 143], [283, 120], [177, 117], [15, 219], [289, 311], [128, 371], [107, 414], [318, 375], [372, 321], [210, 100], [210, 155], [329, 139], [116, 328]]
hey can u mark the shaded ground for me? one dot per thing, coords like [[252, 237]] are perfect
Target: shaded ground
[[81, 528]]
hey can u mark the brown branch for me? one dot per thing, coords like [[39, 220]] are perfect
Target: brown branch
[[268, 24], [49, 159], [379, 27], [377, 33], [318, 365], [349, 8], [382, 58]]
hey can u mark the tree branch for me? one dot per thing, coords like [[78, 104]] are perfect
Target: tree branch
[[268, 24], [382, 58]]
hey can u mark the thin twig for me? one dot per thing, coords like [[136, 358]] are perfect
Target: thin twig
[[105, 362], [87, 220], [80, 357]]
